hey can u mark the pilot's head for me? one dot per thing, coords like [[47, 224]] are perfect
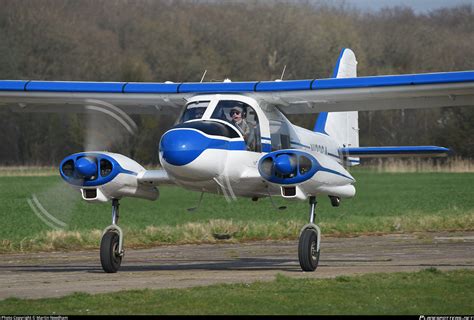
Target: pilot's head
[[236, 113], [199, 113]]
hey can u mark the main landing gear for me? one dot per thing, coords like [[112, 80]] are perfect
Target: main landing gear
[[310, 236], [111, 246]]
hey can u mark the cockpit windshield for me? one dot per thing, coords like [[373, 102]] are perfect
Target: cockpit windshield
[[194, 110]]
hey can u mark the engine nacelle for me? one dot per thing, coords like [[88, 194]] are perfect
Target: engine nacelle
[[301, 174], [103, 176]]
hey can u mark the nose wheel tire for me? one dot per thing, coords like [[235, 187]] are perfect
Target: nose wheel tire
[[110, 257], [308, 252]]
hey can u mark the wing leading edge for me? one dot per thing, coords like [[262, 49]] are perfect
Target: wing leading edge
[[292, 96]]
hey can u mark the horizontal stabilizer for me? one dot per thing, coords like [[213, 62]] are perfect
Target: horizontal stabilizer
[[401, 151]]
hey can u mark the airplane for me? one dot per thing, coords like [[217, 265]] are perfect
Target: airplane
[[234, 138]]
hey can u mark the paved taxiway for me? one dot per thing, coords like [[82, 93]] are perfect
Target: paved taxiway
[[55, 274]]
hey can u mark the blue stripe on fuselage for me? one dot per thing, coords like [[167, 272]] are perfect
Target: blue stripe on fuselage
[[335, 172]]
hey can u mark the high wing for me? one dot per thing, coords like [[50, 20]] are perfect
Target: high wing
[[77, 97], [381, 93], [292, 97]]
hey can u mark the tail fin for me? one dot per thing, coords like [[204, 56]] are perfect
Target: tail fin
[[342, 126]]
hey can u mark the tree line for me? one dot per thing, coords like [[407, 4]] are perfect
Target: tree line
[[124, 40]]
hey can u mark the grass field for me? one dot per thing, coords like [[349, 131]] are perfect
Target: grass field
[[385, 202], [426, 292]]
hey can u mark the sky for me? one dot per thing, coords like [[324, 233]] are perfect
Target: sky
[[419, 6]]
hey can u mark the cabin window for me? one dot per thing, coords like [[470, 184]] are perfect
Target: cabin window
[[194, 110], [280, 135], [244, 118]]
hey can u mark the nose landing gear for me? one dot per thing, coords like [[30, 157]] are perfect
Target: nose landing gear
[[310, 236], [111, 245]]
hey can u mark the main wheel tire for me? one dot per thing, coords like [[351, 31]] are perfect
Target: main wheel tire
[[110, 257], [308, 253]]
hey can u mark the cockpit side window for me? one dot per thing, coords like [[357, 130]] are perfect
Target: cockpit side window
[[279, 135], [244, 118], [194, 110]]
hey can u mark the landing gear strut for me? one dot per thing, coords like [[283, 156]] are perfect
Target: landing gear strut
[[111, 250], [310, 236]]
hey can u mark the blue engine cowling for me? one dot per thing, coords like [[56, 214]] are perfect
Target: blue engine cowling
[[288, 166], [102, 176], [90, 169], [296, 173]]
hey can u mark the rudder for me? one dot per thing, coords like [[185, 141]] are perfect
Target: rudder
[[343, 127]]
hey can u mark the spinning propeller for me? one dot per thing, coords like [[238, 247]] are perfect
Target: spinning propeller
[[106, 127]]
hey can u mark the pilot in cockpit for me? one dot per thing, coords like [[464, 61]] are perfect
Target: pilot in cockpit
[[198, 113], [237, 116], [237, 119]]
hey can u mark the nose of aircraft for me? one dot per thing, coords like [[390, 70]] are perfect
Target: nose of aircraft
[[180, 147]]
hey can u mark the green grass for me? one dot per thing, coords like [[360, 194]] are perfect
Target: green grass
[[426, 292], [385, 202]]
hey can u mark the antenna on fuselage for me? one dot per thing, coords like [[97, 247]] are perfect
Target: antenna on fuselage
[[198, 205], [203, 75], [273, 203], [282, 74]]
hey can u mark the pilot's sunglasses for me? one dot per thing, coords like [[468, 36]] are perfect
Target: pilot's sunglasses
[[234, 112]]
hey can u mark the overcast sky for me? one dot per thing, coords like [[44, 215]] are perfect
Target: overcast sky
[[419, 6]]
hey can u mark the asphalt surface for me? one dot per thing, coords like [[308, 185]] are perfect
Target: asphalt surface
[[40, 275]]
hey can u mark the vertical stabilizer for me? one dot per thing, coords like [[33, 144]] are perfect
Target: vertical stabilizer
[[342, 126]]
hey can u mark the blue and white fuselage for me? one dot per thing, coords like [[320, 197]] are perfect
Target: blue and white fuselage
[[210, 154], [241, 143]]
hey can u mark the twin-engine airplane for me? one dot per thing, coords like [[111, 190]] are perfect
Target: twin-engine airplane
[[233, 138]]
